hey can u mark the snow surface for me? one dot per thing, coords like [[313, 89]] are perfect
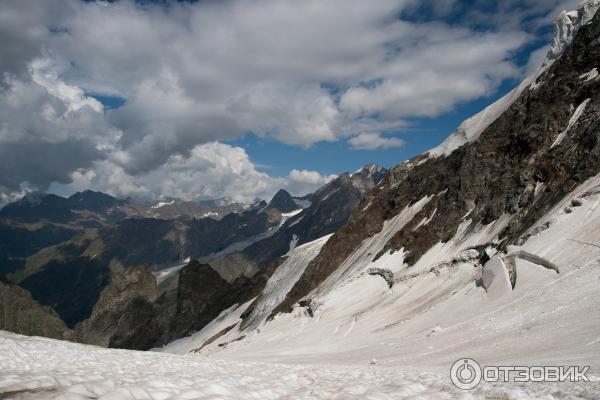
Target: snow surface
[[39, 368], [436, 313]]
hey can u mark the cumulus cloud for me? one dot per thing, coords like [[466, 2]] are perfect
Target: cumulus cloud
[[192, 74], [301, 182], [309, 177], [372, 141], [211, 170], [42, 139]]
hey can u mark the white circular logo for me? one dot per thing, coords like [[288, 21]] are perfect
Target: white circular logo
[[465, 374]]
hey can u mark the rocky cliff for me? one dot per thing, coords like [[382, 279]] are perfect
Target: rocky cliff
[[545, 144], [123, 309], [19, 313]]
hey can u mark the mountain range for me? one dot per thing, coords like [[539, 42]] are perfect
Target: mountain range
[[487, 246], [77, 245]]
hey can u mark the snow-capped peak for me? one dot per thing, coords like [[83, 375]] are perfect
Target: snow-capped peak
[[370, 170], [567, 24], [162, 204]]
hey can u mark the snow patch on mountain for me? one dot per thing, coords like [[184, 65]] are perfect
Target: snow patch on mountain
[[370, 248], [589, 76], [163, 203], [283, 279], [574, 118], [277, 287], [291, 214]]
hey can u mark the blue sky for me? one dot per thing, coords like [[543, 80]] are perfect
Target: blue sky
[[333, 158], [240, 98], [279, 159]]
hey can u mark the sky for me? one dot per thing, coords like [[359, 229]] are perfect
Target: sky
[[239, 98]]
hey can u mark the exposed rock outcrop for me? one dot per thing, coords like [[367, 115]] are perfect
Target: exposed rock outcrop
[[283, 201], [123, 310], [19, 313]]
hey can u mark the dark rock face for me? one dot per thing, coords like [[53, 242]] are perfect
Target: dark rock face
[[202, 294], [123, 309], [494, 176], [283, 202], [131, 314], [50, 207], [71, 288], [19, 313]]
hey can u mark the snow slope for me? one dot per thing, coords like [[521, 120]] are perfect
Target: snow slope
[[39, 368], [283, 279], [436, 313], [277, 287]]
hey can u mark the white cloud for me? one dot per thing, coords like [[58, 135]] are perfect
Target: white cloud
[[212, 170], [299, 72], [300, 115], [301, 182], [44, 73], [372, 141], [195, 73], [310, 177], [536, 58]]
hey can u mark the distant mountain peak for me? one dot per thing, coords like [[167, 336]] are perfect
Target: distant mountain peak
[[283, 201]]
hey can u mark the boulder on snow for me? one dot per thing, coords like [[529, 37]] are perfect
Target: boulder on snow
[[386, 274], [495, 279]]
